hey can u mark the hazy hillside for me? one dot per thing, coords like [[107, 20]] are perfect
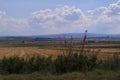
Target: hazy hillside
[[80, 35], [66, 35]]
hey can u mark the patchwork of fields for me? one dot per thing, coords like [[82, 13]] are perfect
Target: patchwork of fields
[[29, 48]]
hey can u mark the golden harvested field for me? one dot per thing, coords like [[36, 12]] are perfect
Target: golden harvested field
[[29, 48], [26, 52]]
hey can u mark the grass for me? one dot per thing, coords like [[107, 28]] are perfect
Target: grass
[[93, 75]]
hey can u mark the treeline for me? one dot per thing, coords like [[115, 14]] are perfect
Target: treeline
[[61, 64]]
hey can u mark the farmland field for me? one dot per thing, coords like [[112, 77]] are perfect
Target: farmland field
[[30, 47], [104, 66]]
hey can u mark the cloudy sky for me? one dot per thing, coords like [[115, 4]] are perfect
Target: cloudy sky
[[38, 17]]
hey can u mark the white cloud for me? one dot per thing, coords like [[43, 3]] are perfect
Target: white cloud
[[96, 13], [107, 19], [2, 14], [64, 19], [59, 20], [113, 9], [13, 26]]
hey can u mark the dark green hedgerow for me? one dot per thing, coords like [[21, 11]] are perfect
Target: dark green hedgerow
[[75, 62], [62, 64]]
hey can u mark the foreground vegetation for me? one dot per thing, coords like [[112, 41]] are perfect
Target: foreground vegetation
[[62, 64], [71, 66], [92, 75]]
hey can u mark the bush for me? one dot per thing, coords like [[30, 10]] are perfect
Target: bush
[[74, 62], [111, 63], [62, 64], [12, 65]]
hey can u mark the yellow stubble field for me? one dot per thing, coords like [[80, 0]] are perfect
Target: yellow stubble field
[[47, 48], [25, 52]]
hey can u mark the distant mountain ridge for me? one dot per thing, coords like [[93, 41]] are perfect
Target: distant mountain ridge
[[80, 35], [66, 35]]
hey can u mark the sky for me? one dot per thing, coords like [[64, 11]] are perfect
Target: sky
[[39, 17]]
